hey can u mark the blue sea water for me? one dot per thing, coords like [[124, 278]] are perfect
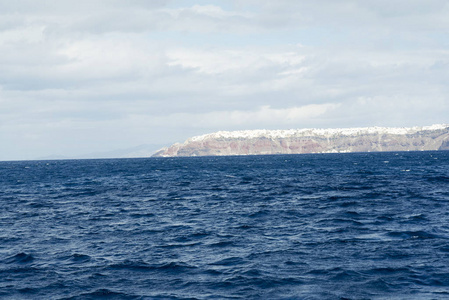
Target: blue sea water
[[329, 226]]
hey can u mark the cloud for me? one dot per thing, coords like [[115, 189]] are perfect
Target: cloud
[[402, 14], [263, 117], [221, 61], [98, 75]]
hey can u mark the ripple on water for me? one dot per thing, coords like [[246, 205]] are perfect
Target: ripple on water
[[331, 226]]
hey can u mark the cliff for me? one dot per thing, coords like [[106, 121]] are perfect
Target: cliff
[[368, 139]]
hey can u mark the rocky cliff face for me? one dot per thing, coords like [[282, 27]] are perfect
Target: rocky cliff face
[[256, 142]]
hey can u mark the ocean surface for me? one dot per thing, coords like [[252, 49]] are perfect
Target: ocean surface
[[321, 226]]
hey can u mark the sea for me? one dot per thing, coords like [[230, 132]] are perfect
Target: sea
[[311, 226]]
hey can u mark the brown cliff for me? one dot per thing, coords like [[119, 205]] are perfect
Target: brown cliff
[[257, 142]]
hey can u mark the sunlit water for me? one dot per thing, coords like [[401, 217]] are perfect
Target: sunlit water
[[330, 226]]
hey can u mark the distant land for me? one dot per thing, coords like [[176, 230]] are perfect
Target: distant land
[[298, 141], [134, 152]]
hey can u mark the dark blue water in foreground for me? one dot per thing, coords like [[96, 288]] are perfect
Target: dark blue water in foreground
[[333, 226]]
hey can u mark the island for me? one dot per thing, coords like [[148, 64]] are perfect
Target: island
[[299, 141]]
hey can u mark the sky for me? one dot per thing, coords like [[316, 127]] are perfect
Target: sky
[[86, 76]]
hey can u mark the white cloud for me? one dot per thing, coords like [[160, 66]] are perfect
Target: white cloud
[[260, 118], [406, 15], [216, 61]]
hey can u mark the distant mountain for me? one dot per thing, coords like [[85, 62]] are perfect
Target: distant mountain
[[134, 152], [296, 141]]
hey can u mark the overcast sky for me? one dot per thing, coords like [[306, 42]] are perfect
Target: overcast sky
[[81, 76]]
